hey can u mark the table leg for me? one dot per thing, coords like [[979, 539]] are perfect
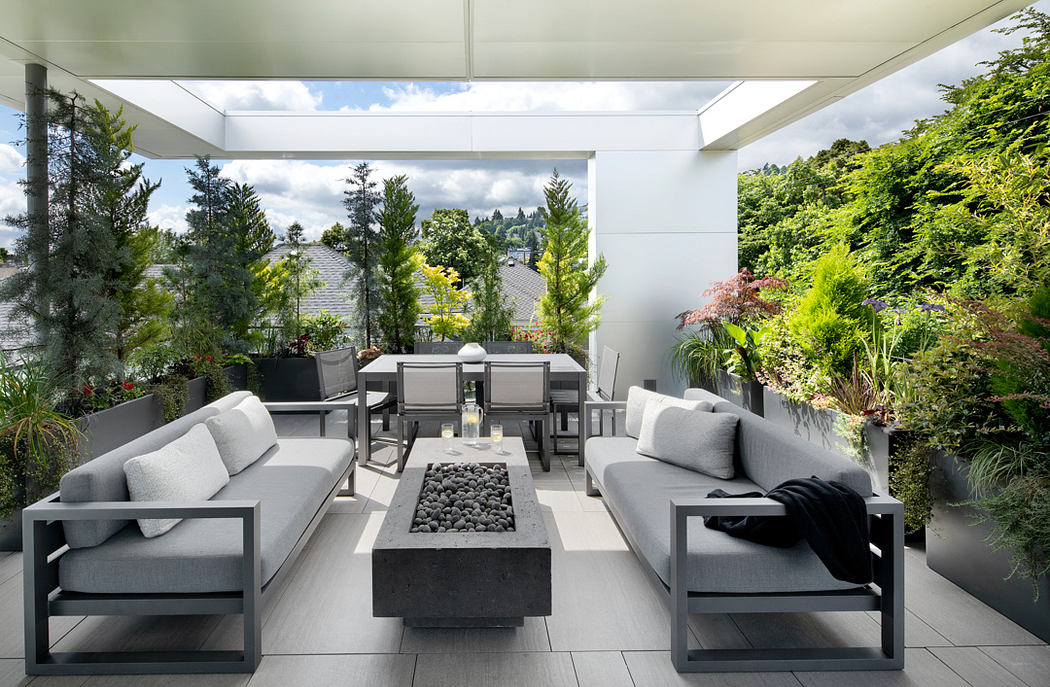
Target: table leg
[[364, 428], [581, 385]]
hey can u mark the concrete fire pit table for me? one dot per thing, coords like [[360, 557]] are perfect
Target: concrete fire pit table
[[458, 578]]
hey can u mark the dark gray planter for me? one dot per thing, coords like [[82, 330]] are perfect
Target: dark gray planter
[[116, 426], [11, 532], [288, 379], [746, 394], [196, 394], [238, 376], [957, 550], [816, 425]]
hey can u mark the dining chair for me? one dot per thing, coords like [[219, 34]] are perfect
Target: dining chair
[[337, 381], [520, 391], [565, 401], [437, 347], [426, 391], [517, 347]]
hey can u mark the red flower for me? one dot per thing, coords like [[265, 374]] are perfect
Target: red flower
[[86, 390], [209, 358], [129, 386]]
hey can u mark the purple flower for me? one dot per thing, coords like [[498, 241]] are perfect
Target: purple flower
[[931, 307], [876, 304]]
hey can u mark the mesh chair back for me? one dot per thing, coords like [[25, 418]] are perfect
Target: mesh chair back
[[437, 347], [607, 366], [337, 372], [429, 387], [517, 386], [507, 347]]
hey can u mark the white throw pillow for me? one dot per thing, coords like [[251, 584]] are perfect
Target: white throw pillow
[[695, 440], [186, 469], [242, 433], [637, 398]]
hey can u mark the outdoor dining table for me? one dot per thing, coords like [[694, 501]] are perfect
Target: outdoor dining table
[[384, 369]]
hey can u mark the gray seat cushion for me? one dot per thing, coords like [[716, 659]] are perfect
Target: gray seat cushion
[[291, 481], [640, 489]]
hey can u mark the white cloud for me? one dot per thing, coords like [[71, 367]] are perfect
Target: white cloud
[[256, 95], [12, 202], [172, 217], [529, 96], [312, 193], [10, 159]]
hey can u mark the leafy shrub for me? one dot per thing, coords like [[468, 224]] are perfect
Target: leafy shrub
[[324, 331], [831, 321]]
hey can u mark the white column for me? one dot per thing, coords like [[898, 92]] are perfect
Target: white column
[[666, 223]]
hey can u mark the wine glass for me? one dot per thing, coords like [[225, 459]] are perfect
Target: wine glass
[[496, 433], [447, 432]]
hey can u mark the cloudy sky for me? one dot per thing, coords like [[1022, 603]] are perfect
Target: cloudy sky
[[311, 191]]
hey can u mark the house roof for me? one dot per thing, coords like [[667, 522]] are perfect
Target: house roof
[[333, 295]]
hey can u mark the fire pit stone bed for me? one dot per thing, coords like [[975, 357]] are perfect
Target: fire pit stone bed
[[465, 497]]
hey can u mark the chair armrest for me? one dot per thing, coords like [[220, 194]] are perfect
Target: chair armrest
[[309, 406], [51, 509], [876, 505], [601, 407]]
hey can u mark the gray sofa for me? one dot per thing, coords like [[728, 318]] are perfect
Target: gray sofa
[[658, 505], [223, 558]]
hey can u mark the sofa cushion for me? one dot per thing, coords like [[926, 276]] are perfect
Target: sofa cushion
[[242, 433], [102, 479], [692, 439], [639, 490], [637, 398], [770, 455], [187, 469], [291, 481]]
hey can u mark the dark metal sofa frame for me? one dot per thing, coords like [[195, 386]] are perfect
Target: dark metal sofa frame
[[886, 535], [44, 543]]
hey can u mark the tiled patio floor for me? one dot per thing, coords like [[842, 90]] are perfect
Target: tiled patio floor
[[609, 626]]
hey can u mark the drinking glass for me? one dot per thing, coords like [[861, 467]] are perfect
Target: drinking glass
[[447, 432], [496, 433]]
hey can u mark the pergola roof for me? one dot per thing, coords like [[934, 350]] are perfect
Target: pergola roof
[[825, 49]]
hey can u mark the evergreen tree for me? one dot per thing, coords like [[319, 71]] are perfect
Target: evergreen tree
[[221, 266], [120, 198], [64, 291], [497, 215], [298, 280], [566, 309], [398, 261], [490, 314], [360, 200], [255, 238], [450, 239]]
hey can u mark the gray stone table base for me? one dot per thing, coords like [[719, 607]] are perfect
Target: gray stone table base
[[462, 579]]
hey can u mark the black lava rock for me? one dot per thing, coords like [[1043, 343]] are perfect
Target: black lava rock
[[465, 497]]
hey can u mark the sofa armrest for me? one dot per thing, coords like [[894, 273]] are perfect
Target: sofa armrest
[[309, 406], [601, 407], [52, 509], [876, 505]]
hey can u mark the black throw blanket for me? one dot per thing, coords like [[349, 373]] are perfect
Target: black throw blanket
[[829, 515]]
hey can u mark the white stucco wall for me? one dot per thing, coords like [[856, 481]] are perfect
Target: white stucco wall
[[666, 223]]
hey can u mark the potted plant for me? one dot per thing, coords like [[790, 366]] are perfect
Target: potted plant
[[724, 352], [38, 444], [980, 396]]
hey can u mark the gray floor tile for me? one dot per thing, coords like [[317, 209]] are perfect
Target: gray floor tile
[[717, 631], [326, 606], [1030, 663], [921, 669], [12, 642], [601, 669], [602, 599], [10, 565], [654, 669], [976, 667], [374, 670], [140, 633], [12, 673], [797, 630], [487, 670], [531, 637], [916, 632], [953, 613]]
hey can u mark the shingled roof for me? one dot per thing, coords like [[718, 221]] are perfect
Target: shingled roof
[[331, 265]]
